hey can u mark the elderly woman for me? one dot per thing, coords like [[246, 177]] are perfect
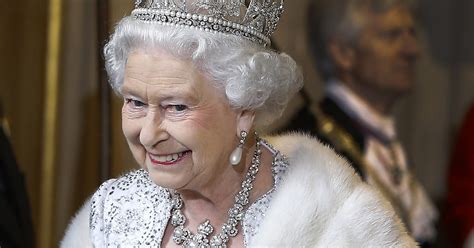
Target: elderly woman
[[198, 79]]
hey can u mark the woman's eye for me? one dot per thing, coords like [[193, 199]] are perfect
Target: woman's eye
[[178, 108], [135, 103]]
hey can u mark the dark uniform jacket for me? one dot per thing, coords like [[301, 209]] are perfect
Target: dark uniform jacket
[[328, 122]]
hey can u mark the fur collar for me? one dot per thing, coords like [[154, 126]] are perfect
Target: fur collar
[[343, 212], [77, 233]]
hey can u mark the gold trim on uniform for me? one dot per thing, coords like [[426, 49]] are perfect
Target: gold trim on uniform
[[343, 141]]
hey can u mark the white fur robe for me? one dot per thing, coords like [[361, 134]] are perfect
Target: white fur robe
[[320, 203]]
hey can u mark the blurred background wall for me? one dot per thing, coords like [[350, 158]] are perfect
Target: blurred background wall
[[428, 118]]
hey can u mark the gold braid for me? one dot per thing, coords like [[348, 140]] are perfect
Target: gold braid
[[343, 141]]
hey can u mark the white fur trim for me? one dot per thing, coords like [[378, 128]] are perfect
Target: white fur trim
[[469, 243], [344, 212], [77, 233]]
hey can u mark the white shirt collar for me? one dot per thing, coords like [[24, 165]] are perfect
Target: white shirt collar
[[359, 109]]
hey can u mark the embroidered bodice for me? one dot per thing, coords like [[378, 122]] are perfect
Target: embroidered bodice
[[132, 211]]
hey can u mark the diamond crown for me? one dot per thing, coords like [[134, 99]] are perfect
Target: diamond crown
[[255, 20]]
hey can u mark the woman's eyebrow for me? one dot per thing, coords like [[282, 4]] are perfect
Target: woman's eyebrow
[[128, 91]]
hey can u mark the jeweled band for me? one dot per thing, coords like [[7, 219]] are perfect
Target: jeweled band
[[255, 20]]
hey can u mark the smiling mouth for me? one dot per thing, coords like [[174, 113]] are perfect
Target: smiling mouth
[[169, 159]]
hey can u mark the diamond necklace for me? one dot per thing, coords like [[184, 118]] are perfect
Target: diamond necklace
[[184, 237]]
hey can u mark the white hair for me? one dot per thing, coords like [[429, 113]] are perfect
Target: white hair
[[252, 77]]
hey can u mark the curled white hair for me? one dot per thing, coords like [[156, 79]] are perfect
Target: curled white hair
[[251, 76]]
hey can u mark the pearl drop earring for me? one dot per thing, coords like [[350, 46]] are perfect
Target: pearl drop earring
[[236, 155]]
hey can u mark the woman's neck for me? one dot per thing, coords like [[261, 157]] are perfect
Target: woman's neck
[[215, 200], [213, 205]]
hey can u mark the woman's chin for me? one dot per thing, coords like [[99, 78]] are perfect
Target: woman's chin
[[166, 173], [167, 180]]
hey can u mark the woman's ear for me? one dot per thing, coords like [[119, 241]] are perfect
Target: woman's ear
[[245, 121]]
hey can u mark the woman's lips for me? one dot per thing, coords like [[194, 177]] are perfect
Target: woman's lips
[[169, 159]]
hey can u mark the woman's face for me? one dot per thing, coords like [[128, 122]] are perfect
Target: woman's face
[[178, 126]]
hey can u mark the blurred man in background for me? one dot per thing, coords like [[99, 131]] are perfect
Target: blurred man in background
[[366, 52]]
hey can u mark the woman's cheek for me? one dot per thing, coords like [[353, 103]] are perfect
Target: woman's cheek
[[202, 118], [131, 129]]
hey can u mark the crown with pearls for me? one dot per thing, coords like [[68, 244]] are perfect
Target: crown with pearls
[[255, 20]]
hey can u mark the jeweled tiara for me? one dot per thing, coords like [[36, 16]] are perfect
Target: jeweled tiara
[[255, 20]]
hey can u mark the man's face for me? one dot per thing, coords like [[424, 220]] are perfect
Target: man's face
[[386, 52]]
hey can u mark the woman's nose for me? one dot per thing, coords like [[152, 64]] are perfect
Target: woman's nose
[[152, 131]]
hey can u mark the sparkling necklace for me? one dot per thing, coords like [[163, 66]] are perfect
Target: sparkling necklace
[[184, 237]]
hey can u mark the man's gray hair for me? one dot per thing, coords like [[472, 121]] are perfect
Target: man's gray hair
[[342, 20]]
